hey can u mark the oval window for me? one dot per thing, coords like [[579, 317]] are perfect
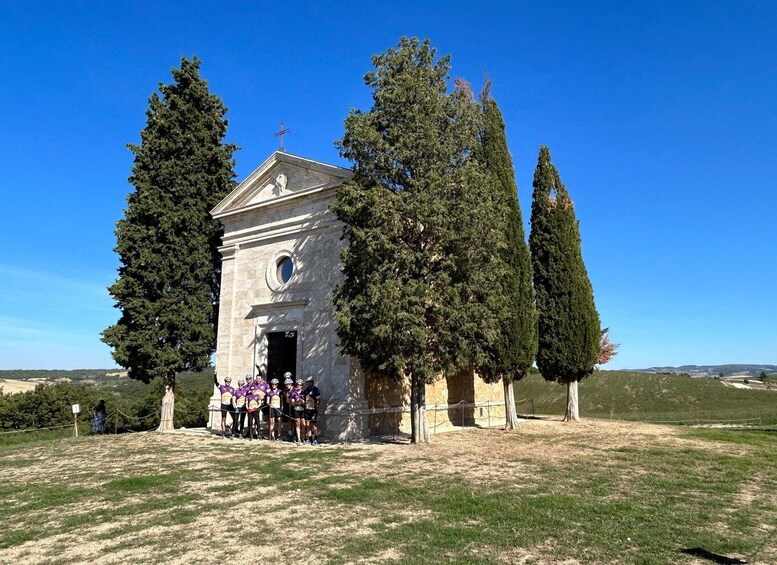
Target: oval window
[[285, 270]]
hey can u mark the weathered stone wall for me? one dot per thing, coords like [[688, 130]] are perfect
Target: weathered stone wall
[[441, 399]]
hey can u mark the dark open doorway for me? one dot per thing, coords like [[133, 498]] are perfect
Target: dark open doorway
[[281, 354]]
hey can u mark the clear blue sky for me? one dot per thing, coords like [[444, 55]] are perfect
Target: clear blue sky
[[661, 117]]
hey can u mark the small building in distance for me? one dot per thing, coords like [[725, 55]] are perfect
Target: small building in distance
[[280, 263]]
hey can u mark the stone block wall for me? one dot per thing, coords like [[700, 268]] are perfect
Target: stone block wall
[[389, 403]]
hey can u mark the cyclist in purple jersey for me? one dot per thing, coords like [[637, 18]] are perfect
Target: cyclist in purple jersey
[[274, 409], [286, 420], [297, 402], [249, 388], [253, 406], [265, 387], [226, 392], [239, 402], [312, 398], [259, 387]]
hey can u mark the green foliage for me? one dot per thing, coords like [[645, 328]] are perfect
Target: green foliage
[[511, 355], [415, 224], [168, 285], [131, 406], [46, 406], [568, 324]]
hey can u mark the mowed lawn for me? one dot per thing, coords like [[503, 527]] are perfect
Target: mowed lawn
[[595, 492]]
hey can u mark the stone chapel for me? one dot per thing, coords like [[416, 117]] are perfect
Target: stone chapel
[[280, 263]]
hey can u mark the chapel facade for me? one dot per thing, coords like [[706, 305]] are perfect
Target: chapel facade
[[280, 263]]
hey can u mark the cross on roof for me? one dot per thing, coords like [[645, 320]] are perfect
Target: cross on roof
[[283, 131]]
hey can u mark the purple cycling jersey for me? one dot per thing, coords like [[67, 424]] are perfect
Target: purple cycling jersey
[[253, 401], [274, 398], [240, 396], [296, 399], [311, 395], [226, 392], [258, 389]]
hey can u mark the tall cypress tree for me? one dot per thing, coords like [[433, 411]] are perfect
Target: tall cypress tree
[[406, 308], [512, 353], [168, 284], [569, 327]]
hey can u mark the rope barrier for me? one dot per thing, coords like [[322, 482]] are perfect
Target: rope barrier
[[37, 429], [233, 413], [158, 412]]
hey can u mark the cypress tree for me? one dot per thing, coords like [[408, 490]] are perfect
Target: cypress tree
[[406, 308], [511, 354], [569, 327], [168, 283]]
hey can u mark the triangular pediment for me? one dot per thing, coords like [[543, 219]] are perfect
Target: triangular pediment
[[281, 177]]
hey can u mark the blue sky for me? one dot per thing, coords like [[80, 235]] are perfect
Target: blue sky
[[661, 117]]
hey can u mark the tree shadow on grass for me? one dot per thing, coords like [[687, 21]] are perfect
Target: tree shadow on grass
[[714, 557]]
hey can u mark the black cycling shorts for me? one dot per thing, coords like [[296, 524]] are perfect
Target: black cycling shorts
[[311, 415], [226, 408], [286, 413], [275, 413]]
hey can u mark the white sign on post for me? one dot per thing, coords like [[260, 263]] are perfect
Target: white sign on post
[[76, 409]]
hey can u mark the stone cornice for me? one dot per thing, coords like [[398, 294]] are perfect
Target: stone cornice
[[257, 309], [228, 252], [320, 192]]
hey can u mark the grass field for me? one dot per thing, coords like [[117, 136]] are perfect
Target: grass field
[[14, 386], [594, 492], [649, 398]]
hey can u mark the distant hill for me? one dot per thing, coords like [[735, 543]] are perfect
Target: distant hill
[[713, 370], [51, 375], [84, 376]]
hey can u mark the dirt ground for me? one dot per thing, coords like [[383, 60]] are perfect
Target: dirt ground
[[483, 456]]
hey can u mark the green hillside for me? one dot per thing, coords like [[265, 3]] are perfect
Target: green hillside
[[644, 397]]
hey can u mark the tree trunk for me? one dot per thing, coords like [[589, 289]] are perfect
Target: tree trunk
[[418, 421], [511, 418], [168, 404], [573, 414]]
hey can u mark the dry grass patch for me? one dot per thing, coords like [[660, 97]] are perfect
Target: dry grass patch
[[550, 492]]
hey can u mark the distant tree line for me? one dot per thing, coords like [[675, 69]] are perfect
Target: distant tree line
[[74, 374]]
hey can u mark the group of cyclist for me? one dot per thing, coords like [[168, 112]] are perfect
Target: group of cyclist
[[293, 407]]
